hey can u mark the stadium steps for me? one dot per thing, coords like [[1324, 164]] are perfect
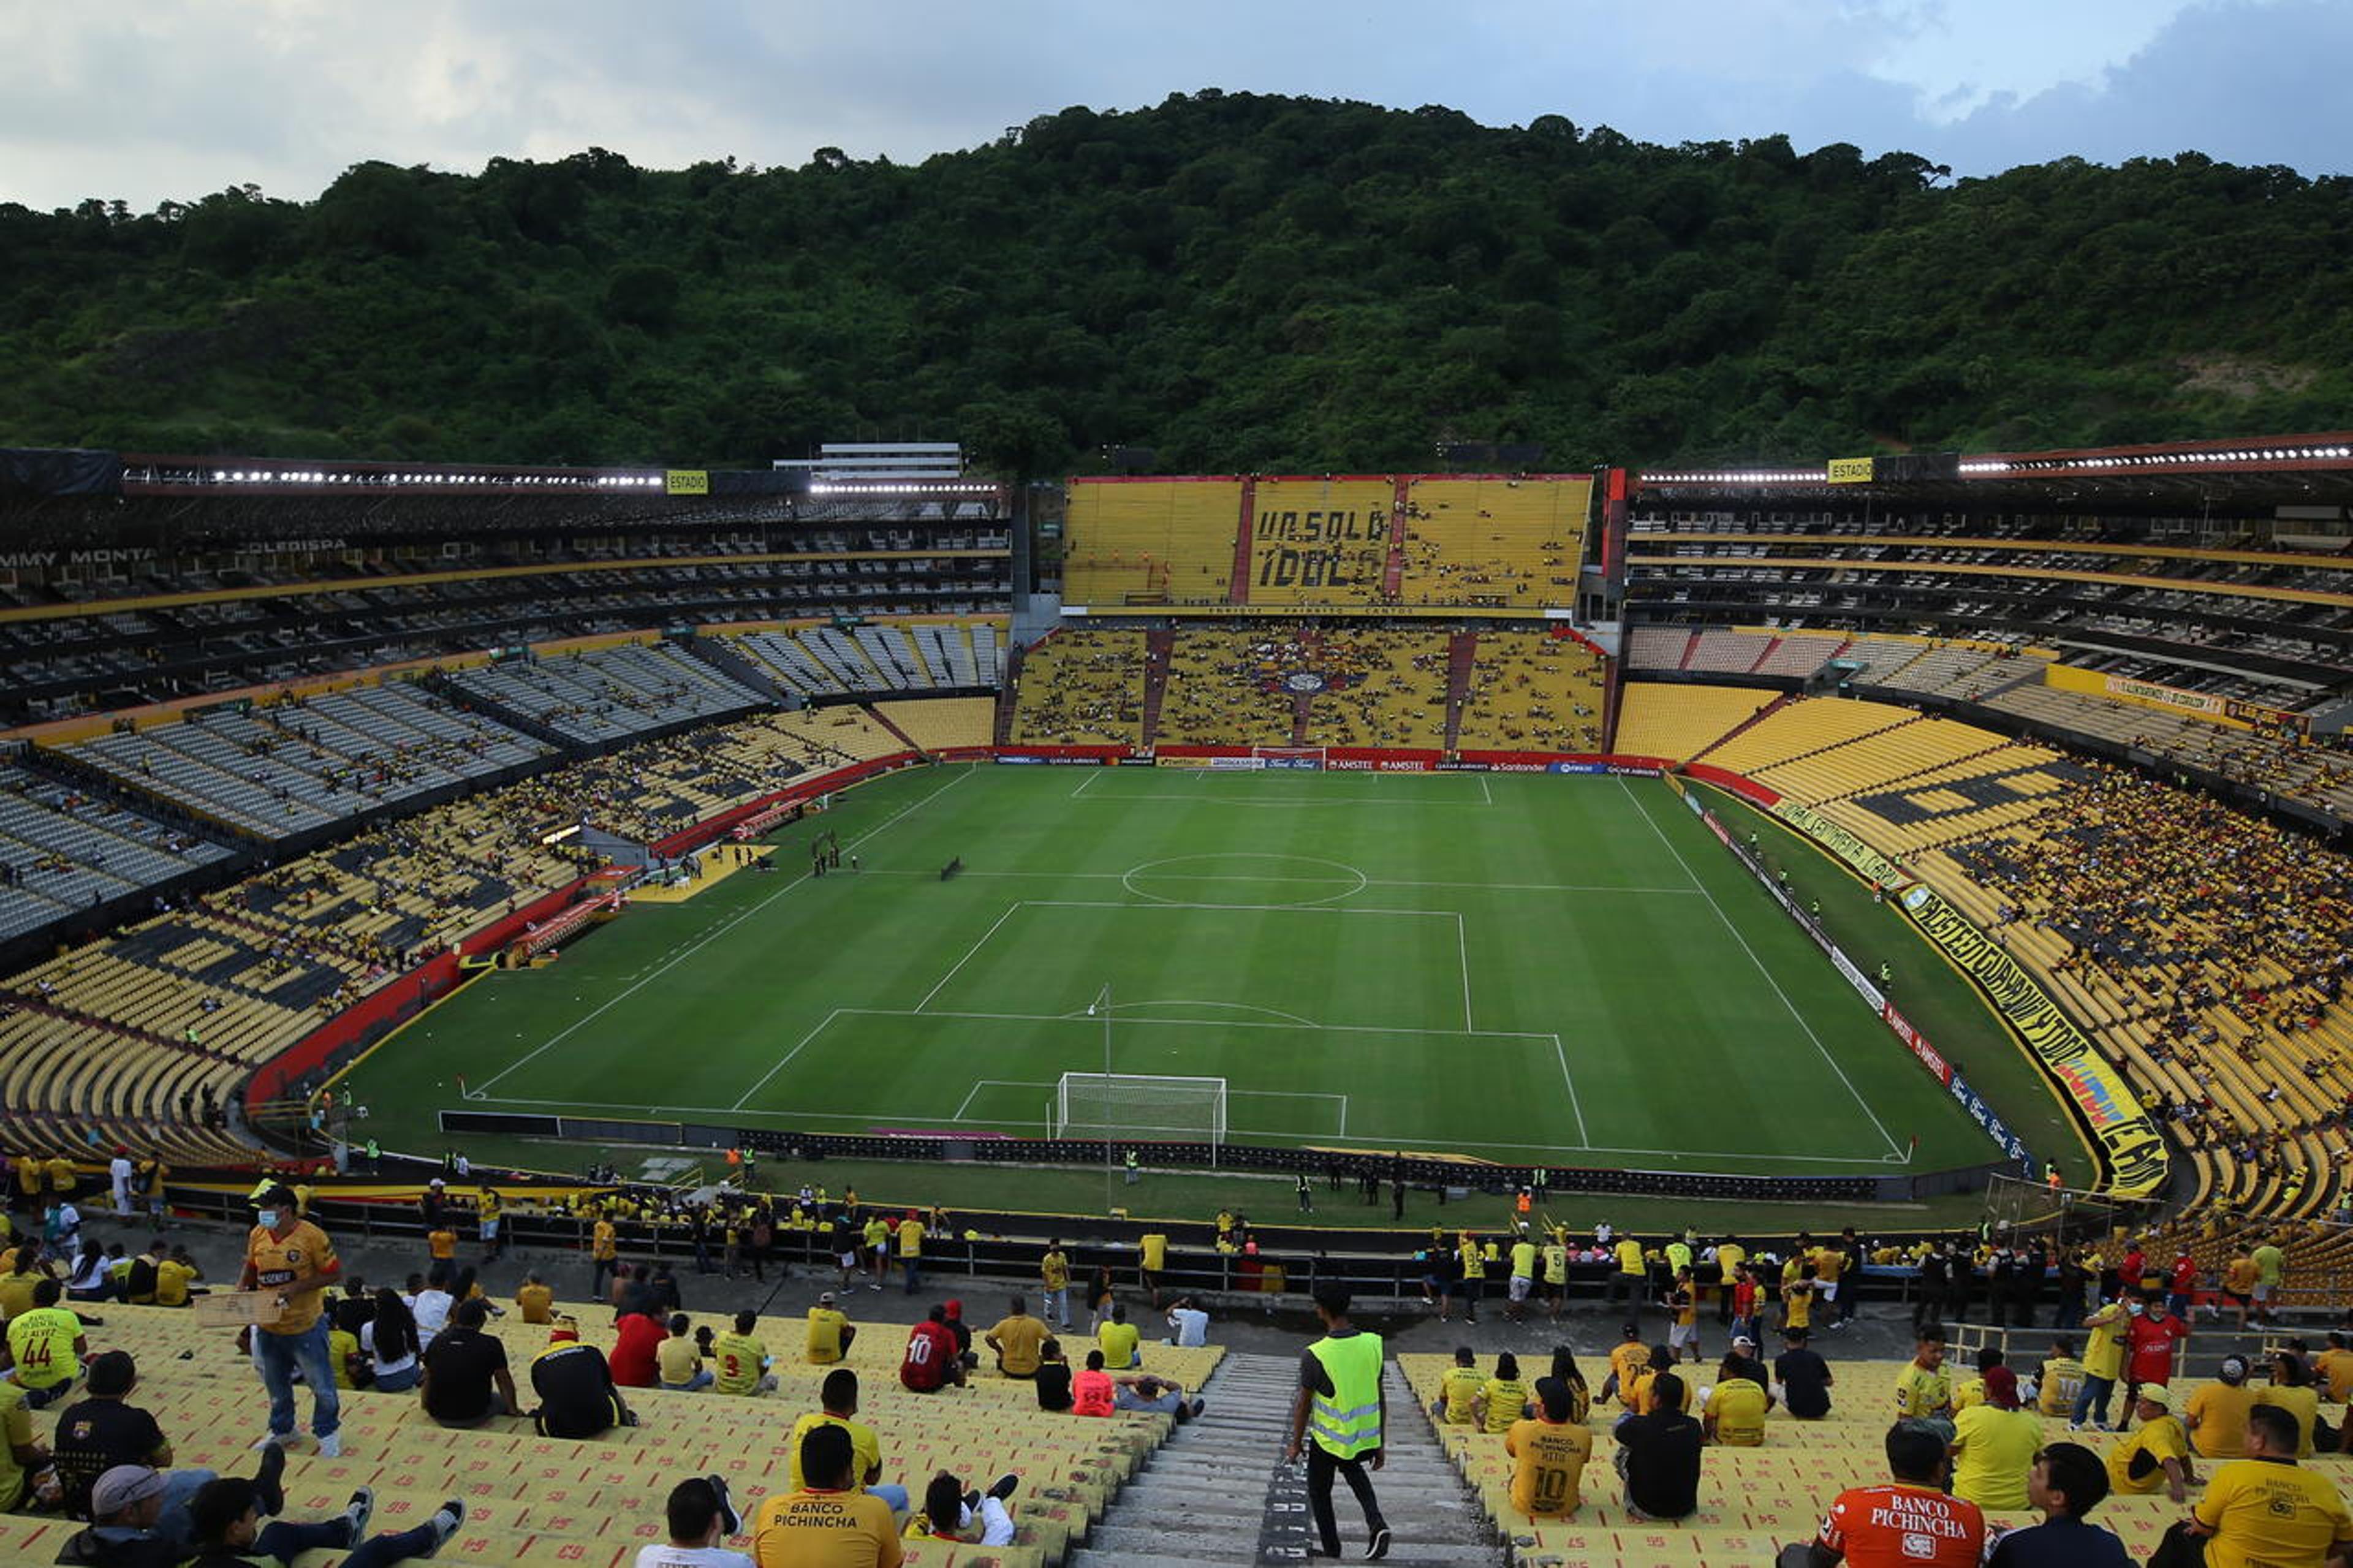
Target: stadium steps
[[1770, 645], [884, 719], [1007, 695], [1159, 647], [1691, 646], [723, 655], [1218, 1493], [1462, 657], [1745, 726]]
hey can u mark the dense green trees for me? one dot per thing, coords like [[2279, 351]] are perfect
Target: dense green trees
[[1236, 281]]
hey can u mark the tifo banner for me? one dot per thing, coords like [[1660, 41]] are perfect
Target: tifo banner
[[1840, 842], [2128, 1139], [686, 482]]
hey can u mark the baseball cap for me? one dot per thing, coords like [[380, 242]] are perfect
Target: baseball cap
[[436, 1182], [2234, 1369], [123, 1487], [2157, 1393], [111, 1373], [1744, 1339], [825, 1300]]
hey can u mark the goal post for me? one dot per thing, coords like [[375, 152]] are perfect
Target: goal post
[[1142, 1105], [1309, 758]]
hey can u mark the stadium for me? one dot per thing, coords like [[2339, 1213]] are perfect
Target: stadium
[[1927, 844]]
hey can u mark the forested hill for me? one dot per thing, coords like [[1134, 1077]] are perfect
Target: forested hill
[[1238, 282]]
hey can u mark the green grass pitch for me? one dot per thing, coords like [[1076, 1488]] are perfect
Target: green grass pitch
[[1564, 970]]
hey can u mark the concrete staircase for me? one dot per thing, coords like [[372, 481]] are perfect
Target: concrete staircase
[[1218, 1495]]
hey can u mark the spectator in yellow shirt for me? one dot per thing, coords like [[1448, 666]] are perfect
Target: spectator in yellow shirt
[[1120, 1341], [536, 1300], [1457, 1403]]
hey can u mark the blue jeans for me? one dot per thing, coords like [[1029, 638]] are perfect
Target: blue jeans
[[2092, 1399], [279, 1354], [42, 1398], [173, 1522], [286, 1541], [895, 1495], [914, 1268], [399, 1381], [1056, 1308], [700, 1381]]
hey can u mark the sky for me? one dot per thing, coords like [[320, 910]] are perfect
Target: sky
[[148, 100]]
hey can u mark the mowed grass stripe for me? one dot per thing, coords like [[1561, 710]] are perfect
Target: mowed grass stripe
[[1681, 1054]]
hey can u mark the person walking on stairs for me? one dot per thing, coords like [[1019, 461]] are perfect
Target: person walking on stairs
[[1337, 1420]]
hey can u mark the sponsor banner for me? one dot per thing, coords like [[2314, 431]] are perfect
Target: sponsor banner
[[2158, 696], [1005, 759], [1853, 470], [1717, 828], [1077, 762], [1143, 761], [1236, 764], [1297, 764], [1464, 767], [686, 482], [1521, 767], [1698, 810], [1842, 843], [1167, 762], [1918, 1043], [1391, 765], [1982, 1114], [2269, 717], [1576, 767], [2128, 1139], [1632, 771], [1676, 785], [1856, 978]]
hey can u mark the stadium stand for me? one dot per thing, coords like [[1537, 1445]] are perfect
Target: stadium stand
[[1679, 723], [1753, 1500], [1384, 686], [1517, 544], [1150, 542], [606, 694], [943, 723], [534, 1501], [63, 851], [1320, 540], [1082, 685], [1226, 684], [1532, 691]]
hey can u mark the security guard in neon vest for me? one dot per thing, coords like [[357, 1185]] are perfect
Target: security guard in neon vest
[[1337, 1419]]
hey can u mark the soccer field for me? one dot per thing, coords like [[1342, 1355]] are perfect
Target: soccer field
[[1554, 969]]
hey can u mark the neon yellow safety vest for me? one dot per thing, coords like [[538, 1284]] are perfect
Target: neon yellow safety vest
[[1347, 1421]]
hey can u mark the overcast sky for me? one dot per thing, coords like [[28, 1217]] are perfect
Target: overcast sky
[[144, 100]]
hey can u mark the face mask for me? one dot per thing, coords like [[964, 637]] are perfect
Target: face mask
[[2134, 1309], [268, 1220]]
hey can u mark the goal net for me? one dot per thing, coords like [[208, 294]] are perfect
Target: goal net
[[1306, 757], [1141, 1105]]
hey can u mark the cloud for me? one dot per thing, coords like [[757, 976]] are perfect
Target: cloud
[[144, 101]]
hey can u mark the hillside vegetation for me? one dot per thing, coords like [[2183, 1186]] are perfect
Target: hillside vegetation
[[1234, 282]]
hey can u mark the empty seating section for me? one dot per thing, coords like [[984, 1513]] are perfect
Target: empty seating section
[[1678, 723], [542, 1503], [822, 661], [1513, 542], [1721, 650], [606, 694], [197, 770], [1800, 654], [1656, 647], [944, 723], [1754, 1499], [2317, 774], [1532, 691], [1082, 685], [1320, 542], [1226, 684], [64, 851], [75, 1079], [1876, 760], [1803, 725], [1150, 542]]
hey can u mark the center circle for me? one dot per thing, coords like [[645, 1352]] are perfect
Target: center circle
[[1245, 881]]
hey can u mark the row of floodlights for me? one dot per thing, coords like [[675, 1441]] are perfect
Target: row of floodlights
[[2168, 459], [1758, 477], [918, 489], [312, 477]]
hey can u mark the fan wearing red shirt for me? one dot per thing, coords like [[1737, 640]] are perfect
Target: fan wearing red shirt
[[1910, 1524], [932, 1361], [2150, 1339], [635, 1346], [2181, 1289]]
